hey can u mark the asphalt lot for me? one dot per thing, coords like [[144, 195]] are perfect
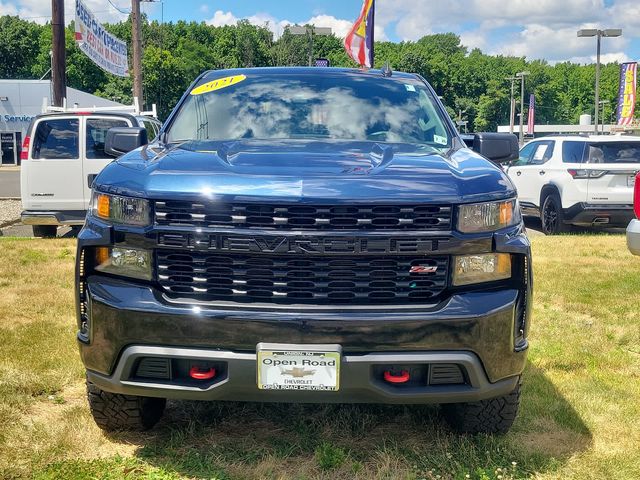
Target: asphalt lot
[[9, 182]]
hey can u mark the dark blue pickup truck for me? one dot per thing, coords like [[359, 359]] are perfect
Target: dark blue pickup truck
[[305, 235]]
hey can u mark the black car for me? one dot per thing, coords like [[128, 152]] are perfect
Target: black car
[[305, 235]]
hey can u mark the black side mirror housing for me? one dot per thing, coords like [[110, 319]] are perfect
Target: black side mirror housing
[[498, 147], [122, 140]]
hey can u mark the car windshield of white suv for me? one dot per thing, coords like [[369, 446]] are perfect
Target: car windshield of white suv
[[613, 152], [353, 107]]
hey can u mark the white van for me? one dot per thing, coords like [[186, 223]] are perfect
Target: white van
[[61, 155]]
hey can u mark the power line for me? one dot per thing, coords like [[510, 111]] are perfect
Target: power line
[[122, 11]]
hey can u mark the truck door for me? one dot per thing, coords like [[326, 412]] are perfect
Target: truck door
[[54, 168], [94, 159]]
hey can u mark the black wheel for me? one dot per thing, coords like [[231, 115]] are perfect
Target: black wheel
[[495, 415], [552, 217], [44, 231], [114, 412]]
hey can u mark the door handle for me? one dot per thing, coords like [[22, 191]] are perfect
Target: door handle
[[518, 173], [91, 178], [542, 172]]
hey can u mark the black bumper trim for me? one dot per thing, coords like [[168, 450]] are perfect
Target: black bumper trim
[[357, 383], [585, 214]]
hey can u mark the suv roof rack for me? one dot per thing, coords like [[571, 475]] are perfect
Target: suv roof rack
[[568, 134], [134, 109]]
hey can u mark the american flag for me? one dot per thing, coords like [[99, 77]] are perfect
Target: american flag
[[359, 41], [532, 114]]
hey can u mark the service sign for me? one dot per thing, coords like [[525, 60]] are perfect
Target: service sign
[[106, 51], [627, 93]]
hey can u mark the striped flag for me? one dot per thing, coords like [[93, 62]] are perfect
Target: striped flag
[[359, 41], [532, 114], [627, 93]]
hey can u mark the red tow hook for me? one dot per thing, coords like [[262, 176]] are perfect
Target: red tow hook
[[198, 373], [391, 378]]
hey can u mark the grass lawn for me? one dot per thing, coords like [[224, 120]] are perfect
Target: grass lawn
[[579, 418]]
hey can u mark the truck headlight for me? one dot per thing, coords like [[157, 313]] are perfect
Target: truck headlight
[[128, 262], [486, 267], [117, 209], [488, 217]]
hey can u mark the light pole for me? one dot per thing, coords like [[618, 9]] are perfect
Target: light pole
[[594, 32], [512, 104], [521, 76], [602, 103]]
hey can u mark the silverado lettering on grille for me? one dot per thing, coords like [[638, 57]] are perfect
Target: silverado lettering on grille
[[299, 245]]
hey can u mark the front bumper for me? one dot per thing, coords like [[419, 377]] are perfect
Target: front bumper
[[589, 214], [359, 381], [633, 237], [472, 329]]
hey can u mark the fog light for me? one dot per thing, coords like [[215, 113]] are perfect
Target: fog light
[[129, 262], [488, 267]]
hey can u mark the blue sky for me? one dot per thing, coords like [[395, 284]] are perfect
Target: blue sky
[[535, 29]]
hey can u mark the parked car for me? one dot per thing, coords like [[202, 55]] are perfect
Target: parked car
[[305, 235], [633, 230], [577, 180], [61, 155]]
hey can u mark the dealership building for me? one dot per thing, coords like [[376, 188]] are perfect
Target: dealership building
[[20, 101]]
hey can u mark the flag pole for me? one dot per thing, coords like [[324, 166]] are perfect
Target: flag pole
[[373, 31]]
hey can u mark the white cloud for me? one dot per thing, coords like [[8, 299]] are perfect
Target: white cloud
[[39, 11]]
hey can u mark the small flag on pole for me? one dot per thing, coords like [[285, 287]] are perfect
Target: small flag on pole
[[359, 41], [532, 114]]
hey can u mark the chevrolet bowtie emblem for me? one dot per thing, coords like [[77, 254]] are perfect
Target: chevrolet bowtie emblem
[[298, 372]]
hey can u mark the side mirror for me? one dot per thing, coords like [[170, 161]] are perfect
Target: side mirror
[[499, 147], [122, 140]]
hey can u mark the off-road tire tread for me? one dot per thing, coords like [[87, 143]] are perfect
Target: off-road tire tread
[[495, 415], [116, 412]]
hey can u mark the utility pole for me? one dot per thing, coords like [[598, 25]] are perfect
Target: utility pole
[[521, 76], [512, 112], [58, 59], [310, 31], [136, 38]]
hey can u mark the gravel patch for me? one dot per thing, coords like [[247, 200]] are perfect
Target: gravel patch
[[9, 210]]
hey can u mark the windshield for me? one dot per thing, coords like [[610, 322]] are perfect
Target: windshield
[[355, 107]]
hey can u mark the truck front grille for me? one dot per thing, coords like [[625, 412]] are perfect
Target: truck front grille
[[317, 279], [303, 217]]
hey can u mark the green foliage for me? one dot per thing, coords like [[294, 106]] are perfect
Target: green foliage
[[329, 456], [176, 53]]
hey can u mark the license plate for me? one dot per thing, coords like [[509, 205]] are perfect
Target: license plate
[[298, 367], [631, 180]]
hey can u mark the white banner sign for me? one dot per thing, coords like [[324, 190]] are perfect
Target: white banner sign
[[107, 51]]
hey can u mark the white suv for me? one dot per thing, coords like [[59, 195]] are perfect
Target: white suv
[[577, 180]]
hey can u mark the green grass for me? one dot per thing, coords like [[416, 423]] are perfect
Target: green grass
[[579, 415]]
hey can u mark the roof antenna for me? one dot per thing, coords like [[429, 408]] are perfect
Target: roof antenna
[[386, 70]]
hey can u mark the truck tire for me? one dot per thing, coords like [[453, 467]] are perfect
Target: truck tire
[[114, 412], [552, 216], [495, 415], [44, 231]]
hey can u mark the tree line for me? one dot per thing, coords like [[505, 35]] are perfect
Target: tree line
[[472, 84]]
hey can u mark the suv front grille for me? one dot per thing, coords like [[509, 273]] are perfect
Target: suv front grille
[[304, 217], [318, 280]]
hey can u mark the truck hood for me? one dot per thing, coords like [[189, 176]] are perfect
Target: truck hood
[[295, 171]]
